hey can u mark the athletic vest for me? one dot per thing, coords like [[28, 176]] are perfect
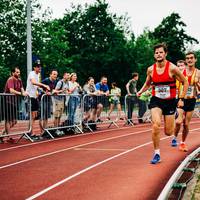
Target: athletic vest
[[163, 86], [191, 88], [179, 86]]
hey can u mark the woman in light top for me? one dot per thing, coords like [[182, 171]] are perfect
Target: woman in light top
[[115, 101], [74, 101]]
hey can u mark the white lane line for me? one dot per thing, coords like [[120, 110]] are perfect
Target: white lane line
[[81, 135], [98, 149], [85, 170], [65, 138], [91, 167], [69, 148]]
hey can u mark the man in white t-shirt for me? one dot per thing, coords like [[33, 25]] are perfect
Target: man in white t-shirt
[[33, 82]]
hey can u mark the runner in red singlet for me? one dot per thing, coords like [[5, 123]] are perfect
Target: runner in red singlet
[[162, 76]]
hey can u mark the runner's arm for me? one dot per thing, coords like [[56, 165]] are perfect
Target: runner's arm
[[34, 82], [147, 83], [181, 78]]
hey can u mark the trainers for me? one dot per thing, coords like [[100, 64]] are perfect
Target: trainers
[[1, 140], [156, 159], [58, 132], [183, 147], [62, 133], [174, 143], [10, 140], [99, 120]]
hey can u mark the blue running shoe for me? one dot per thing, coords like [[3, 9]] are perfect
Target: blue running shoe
[[174, 143], [156, 159]]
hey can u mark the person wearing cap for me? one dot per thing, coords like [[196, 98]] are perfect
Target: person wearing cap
[[33, 83]]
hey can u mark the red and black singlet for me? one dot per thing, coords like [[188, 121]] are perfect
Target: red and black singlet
[[163, 86]]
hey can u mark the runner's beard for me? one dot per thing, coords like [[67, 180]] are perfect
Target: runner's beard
[[159, 61]]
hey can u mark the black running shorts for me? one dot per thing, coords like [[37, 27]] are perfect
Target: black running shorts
[[168, 106]]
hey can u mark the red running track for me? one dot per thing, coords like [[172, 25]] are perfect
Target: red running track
[[109, 165]]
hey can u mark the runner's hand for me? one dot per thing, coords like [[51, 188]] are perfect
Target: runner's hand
[[180, 103]]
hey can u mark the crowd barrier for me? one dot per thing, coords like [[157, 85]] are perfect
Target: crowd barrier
[[15, 118], [136, 110], [71, 113], [60, 112]]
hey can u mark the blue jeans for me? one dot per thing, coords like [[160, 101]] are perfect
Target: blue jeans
[[73, 103]]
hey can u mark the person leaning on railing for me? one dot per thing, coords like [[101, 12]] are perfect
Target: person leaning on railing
[[103, 91], [33, 83], [142, 102], [13, 86], [131, 88], [90, 103], [59, 102]]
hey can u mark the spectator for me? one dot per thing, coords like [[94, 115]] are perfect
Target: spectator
[[90, 101], [74, 100], [32, 85], [46, 103], [132, 98], [103, 90], [62, 87], [115, 101], [13, 86], [143, 101]]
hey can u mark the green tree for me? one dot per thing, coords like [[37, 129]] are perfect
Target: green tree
[[13, 33], [97, 42], [172, 32], [143, 55], [198, 59]]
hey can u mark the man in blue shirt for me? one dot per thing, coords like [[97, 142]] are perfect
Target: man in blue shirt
[[103, 91]]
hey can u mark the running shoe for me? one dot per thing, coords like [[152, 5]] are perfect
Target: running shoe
[[183, 147], [174, 143], [1, 140], [99, 120], [156, 159]]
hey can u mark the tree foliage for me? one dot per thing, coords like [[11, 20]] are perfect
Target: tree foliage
[[88, 40], [172, 32]]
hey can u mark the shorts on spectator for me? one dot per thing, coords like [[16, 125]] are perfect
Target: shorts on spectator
[[115, 101], [58, 108], [90, 102], [103, 100], [34, 104]]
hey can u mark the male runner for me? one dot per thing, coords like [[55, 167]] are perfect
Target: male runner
[[193, 78], [162, 75]]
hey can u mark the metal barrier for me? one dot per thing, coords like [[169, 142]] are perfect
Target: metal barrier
[[136, 110], [179, 171], [15, 118], [196, 112], [59, 112], [99, 109]]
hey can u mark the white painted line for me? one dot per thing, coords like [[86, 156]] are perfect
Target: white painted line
[[86, 169], [91, 167], [64, 138], [81, 135], [98, 149], [69, 148]]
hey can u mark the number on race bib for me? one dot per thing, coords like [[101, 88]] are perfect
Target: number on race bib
[[162, 91]]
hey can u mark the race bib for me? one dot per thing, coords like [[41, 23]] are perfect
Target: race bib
[[162, 91], [190, 91]]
